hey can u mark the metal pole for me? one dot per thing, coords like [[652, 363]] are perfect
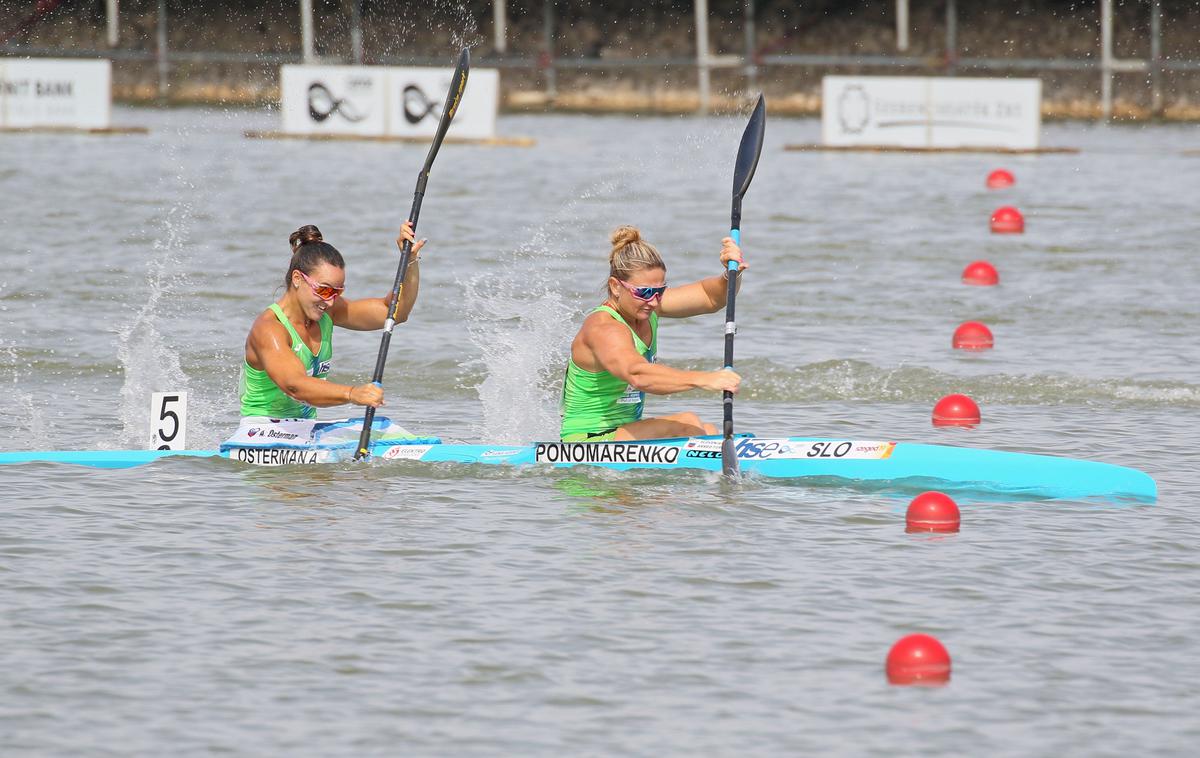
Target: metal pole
[[548, 42], [164, 71], [499, 23], [356, 42], [751, 67], [901, 25], [1106, 57], [306, 30], [1156, 95], [113, 32], [702, 53], [951, 37]]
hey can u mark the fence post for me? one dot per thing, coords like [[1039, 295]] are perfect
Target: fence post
[[113, 31], [1106, 59], [548, 42], [702, 54], [1156, 95], [164, 71], [499, 22], [751, 65], [951, 37], [356, 41], [306, 29]]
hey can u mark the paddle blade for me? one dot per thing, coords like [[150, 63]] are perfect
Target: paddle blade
[[458, 85], [729, 462], [750, 149]]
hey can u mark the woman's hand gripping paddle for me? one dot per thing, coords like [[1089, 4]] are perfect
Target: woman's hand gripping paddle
[[458, 84], [743, 172]]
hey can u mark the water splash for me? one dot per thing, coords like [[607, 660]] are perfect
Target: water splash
[[149, 363], [18, 413], [522, 324]]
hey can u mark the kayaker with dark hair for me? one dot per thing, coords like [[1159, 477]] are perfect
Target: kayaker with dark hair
[[613, 357], [290, 346]]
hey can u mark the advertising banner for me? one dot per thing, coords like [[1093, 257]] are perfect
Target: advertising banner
[[333, 100], [385, 101], [416, 96], [931, 112], [49, 92]]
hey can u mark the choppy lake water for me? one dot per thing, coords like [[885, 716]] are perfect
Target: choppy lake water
[[198, 607]]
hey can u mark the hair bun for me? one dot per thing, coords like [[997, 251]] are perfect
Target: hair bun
[[625, 235], [304, 235]]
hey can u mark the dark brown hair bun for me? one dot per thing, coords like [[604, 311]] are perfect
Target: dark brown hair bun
[[304, 235]]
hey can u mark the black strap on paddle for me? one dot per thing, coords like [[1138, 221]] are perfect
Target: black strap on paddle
[[458, 84], [743, 172]]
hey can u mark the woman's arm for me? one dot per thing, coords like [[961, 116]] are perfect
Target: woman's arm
[[612, 348], [370, 313], [707, 295], [270, 347]]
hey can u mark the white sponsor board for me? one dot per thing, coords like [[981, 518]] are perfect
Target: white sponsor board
[[938, 112], [416, 96], [333, 100], [383, 101], [48, 92]]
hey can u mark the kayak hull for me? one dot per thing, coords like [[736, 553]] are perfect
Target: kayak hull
[[866, 462]]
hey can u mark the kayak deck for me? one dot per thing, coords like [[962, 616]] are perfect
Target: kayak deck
[[935, 466]]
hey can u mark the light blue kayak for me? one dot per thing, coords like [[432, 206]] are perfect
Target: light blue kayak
[[832, 461]]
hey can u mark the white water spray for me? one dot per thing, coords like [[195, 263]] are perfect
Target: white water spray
[[522, 323]]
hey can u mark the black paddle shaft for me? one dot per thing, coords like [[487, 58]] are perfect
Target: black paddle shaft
[[458, 84], [743, 171]]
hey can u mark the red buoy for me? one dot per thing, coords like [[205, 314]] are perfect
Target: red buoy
[[980, 273], [972, 335], [956, 410], [1007, 220], [1000, 178], [918, 659], [932, 512]]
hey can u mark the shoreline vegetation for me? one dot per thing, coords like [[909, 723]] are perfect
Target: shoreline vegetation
[[614, 40]]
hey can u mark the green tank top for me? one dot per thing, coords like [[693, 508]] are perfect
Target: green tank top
[[597, 401], [262, 397]]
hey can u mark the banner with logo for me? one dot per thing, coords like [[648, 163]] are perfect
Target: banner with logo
[[385, 101], [50, 92], [333, 100], [940, 112]]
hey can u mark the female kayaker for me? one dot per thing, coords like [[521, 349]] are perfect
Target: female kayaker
[[290, 347], [612, 364]]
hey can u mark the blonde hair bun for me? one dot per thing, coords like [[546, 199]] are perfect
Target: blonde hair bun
[[625, 235], [630, 253]]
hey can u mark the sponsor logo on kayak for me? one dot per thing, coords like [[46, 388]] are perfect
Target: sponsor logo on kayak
[[405, 452], [847, 449], [252, 432], [701, 453], [501, 453], [701, 443], [274, 456], [604, 452], [755, 449], [750, 448]]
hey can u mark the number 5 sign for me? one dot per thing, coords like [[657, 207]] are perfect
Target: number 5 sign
[[168, 420]]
